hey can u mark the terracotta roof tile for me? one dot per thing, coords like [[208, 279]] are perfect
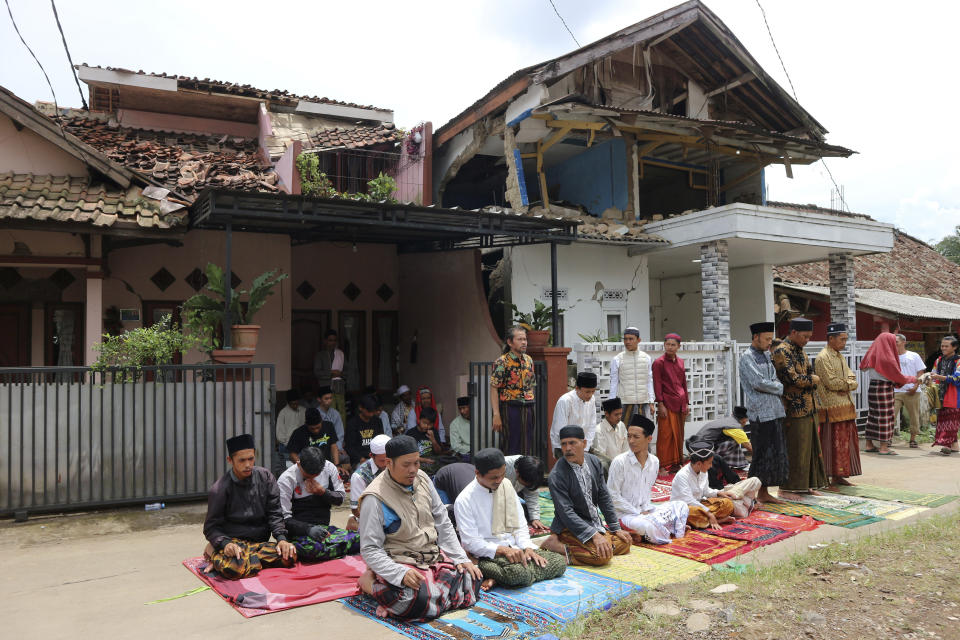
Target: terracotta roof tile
[[353, 138]]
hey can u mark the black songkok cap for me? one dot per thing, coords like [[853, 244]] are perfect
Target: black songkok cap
[[312, 460], [312, 416], [801, 324], [572, 431], [401, 446], [486, 460], [239, 443], [369, 403], [762, 327], [324, 390], [739, 413], [836, 328], [587, 380], [463, 401], [611, 404], [642, 421]]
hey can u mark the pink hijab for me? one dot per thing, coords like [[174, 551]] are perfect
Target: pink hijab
[[883, 358]]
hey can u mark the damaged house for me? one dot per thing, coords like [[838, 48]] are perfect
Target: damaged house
[[657, 140]]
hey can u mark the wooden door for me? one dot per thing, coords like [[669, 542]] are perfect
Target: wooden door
[[63, 334], [386, 351], [353, 337], [15, 335], [306, 338]]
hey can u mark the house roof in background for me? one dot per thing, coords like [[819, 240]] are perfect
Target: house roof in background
[[898, 304]]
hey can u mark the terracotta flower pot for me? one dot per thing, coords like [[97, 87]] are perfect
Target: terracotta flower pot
[[245, 336], [233, 356], [537, 338]]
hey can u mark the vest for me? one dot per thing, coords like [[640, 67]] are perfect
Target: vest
[[634, 377], [415, 542]]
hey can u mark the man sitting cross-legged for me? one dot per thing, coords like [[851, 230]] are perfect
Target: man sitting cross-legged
[[576, 485], [494, 530], [243, 510], [307, 491], [711, 507], [632, 476], [416, 568], [364, 475]]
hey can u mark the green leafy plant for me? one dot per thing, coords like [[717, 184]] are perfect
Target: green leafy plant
[[599, 337], [382, 187], [314, 182], [133, 349], [540, 319]]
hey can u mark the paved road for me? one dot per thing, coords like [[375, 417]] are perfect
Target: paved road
[[88, 575]]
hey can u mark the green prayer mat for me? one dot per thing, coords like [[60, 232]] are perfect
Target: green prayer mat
[[897, 495], [823, 514], [546, 509]]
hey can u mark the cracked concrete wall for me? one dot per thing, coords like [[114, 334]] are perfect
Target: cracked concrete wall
[[513, 193]]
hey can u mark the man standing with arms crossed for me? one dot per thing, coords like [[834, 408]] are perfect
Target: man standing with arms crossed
[[631, 377], [512, 395]]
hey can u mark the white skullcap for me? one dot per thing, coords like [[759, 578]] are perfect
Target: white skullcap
[[379, 444], [402, 390]]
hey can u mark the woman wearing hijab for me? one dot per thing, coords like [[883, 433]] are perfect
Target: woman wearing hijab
[[425, 399], [948, 418], [882, 365]]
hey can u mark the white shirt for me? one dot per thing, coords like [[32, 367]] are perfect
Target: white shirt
[[615, 379], [385, 421], [474, 511], [691, 487], [630, 484], [358, 484], [610, 441], [412, 422], [293, 485], [911, 364], [571, 409], [289, 419], [337, 363]]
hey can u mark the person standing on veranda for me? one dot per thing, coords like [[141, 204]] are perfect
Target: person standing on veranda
[[837, 414], [631, 377], [512, 396], [911, 364], [673, 408]]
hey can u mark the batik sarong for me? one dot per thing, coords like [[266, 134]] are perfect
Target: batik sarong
[[336, 544], [669, 438], [770, 461], [666, 520], [587, 554], [518, 419], [515, 575], [806, 458], [720, 508], [948, 420], [880, 419], [442, 589], [254, 556], [841, 448]]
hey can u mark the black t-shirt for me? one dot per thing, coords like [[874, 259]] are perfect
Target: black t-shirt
[[302, 438], [426, 446], [358, 435]]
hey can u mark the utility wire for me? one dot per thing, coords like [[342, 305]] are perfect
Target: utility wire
[[73, 69], [17, 29], [563, 21]]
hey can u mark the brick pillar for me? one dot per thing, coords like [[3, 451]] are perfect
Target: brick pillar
[[843, 298], [715, 290], [556, 359]]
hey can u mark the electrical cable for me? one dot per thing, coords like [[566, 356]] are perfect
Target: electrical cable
[[35, 59], [564, 22], [73, 69]]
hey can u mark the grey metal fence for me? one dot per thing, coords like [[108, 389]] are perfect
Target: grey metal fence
[[73, 438], [482, 435]]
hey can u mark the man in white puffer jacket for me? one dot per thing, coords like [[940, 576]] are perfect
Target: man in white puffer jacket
[[631, 377]]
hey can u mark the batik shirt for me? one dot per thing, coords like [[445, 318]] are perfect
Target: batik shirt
[[794, 371], [514, 377]]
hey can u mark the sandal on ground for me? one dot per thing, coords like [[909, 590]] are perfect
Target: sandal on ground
[[873, 450], [888, 452], [946, 451], [914, 445]]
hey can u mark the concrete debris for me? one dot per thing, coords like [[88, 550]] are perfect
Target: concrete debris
[[660, 608], [704, 605], [698, 622], [724, 588]]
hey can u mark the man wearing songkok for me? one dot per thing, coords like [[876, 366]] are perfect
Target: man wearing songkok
[[762, 392], [243, 510], [727, 438], [709, 507], [307, 491], [364, 475], [670, 388], [493, 530], [577, 487], [577, 406], [512, 391], [426, 400], [837, 414], [526, 474], [398, 418], [362, 428], [631, 377], [329, 413], [460, 429], [416, 568], [315, 432], [806, 473], [632, 476], [611, 435]]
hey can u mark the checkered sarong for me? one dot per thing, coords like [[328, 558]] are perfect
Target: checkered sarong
[[732, 454], [880, 419]]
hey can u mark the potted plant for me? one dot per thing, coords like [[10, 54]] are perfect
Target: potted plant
[[538, 323], [204, 313]]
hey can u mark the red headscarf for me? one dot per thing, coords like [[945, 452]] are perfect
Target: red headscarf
[[418, 405], [883, 358]]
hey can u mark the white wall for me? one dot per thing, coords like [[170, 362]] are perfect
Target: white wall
[[679, 307], [751, 299], [584, 270]]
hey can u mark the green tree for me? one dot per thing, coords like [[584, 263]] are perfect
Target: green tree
[[949, 247]]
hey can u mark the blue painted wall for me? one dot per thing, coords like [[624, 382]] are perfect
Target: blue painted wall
[[595, 179]]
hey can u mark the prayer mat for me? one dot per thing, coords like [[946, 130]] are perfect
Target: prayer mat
[[546, 509], [649, 569], [284, 588], [896, 495], [659, 492], [488, 618], [665, 477], [780, 521], [699, 546], [823, 514], [863, 506], [574, 593], [755, 535]]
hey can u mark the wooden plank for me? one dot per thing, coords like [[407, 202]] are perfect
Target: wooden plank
[[485, 108], [559, 135]]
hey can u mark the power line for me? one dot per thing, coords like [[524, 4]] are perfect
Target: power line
[[564, 23], [73, 69], [17, 29]]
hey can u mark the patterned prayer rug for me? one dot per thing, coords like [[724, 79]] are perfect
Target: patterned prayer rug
[[779, 521], [698, 546], [863, 506], [823, 514], [659, 492], [546, 508], [489, 618], [281, 588], [896, 495], [563, 599], [755, 535], [649, 568]]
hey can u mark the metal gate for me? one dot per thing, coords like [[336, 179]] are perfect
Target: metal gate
[[482, 434]]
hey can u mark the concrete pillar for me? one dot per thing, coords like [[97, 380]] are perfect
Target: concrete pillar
[[93, 320], [556, 360], [843, 296], [751, 299], [715, 290]]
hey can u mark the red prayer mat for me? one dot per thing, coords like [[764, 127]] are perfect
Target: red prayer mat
[[278, 589], [659, 492], [700, 546], [755, 535], [780, 521]]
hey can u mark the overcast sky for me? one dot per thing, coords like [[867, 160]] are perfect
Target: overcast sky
[[878, 76]]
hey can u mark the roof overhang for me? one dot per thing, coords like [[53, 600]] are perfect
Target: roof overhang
[[413, 228], [887, 303]]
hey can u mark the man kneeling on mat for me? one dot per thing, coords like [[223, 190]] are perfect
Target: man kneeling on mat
[[243, 510], [492, 528], [416, 568], [576, 485], [307, 491], [711, 507]]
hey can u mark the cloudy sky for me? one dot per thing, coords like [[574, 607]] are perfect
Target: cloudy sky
[[876, 75]]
